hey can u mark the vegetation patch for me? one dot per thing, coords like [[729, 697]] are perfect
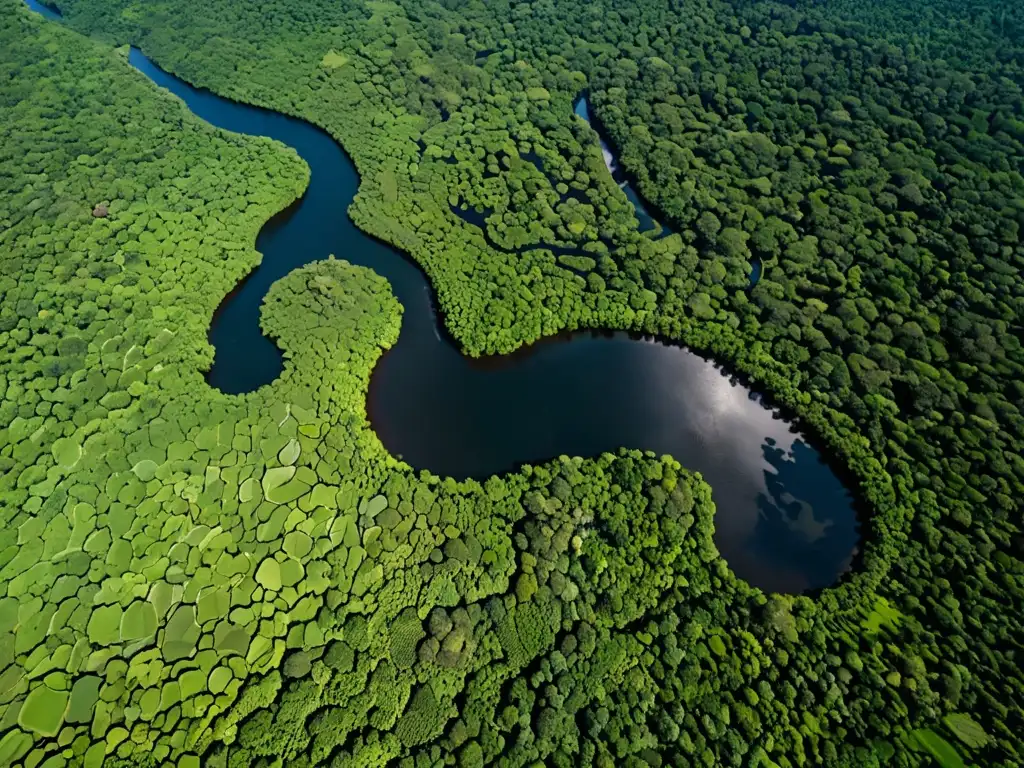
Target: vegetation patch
[[942, 751], [881, 616], [333, 60], [966, 729]]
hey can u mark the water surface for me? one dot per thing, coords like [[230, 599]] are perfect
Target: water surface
[[44, 10]]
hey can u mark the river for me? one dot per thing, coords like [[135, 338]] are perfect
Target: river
[[784, 520]]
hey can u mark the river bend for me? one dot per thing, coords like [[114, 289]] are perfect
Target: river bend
[[784, 520]]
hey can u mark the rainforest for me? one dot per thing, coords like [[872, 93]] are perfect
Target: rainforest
[[520, 383]]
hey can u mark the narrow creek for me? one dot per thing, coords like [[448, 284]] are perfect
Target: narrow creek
[[647, 221], [784, 520]]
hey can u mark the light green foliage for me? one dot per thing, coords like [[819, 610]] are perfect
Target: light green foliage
[[138, 621], [66, 452], [376, 505], [965, 728], [104, 625], [881, 616], [276, 477], [942, 751], [181, 633], [333, 60], [43, 711], [268, 575]]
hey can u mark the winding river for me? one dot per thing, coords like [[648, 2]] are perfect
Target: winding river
[[784, 520]]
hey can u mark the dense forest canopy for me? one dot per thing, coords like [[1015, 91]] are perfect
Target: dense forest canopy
[[190, 577]]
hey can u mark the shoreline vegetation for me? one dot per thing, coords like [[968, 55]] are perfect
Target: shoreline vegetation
[[193, 577]]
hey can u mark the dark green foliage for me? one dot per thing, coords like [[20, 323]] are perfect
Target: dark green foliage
[[339, 656], [406, 633], [423, 720]]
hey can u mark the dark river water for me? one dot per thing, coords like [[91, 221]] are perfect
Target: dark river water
[[784, 520]]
